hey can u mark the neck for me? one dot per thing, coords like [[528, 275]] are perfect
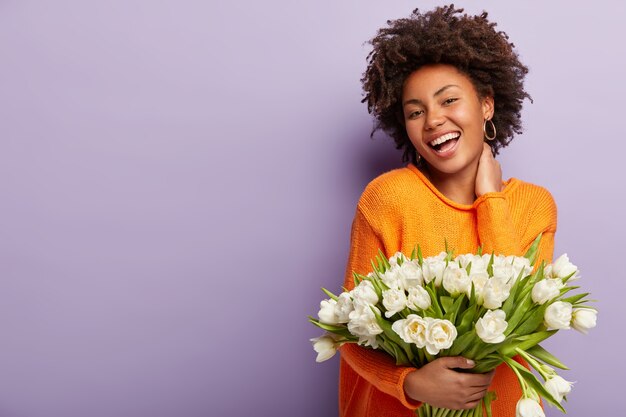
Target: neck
[[459, 187]]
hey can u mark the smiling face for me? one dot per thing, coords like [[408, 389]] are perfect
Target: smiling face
[[444, 117]]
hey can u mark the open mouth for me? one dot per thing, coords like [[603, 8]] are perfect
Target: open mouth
[[445, 142]]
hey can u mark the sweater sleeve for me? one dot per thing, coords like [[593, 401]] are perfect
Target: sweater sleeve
[[496, 227], [496, 230], [378, 368]]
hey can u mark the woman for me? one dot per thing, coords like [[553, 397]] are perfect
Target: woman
[[448, 88]]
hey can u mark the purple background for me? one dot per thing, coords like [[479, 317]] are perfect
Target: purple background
[[178, 180]]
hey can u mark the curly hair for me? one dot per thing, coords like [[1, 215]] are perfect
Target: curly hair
[[444, 36]]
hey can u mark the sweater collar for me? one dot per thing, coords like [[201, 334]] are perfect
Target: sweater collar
[[508, 186]]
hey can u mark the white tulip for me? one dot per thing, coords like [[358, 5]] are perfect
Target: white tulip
[[343, 307], [432, 269], [394, 301], [527, 407], [363, 324], [327, 312], [364, 293], [410, 275], [479, 279], [495, 292], [396, 257], [490, 327], [519, 264], [418, 298], [558, 315], [562, 267], [546, 290], [504, 271], [411, 330], [477, 262], [584, 319], [456, 280], [440, 334], [325, 346], [391, 277], [478, 266], [441, 256], [558, 387]]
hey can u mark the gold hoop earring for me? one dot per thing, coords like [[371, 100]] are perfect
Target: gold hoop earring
[[493, 127]]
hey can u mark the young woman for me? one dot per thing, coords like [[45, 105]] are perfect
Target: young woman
[[448, 88]]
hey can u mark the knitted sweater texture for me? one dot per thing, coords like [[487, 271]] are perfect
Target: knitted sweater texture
[[401, 209]]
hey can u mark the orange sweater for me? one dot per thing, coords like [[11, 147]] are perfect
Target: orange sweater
[[400, 209]]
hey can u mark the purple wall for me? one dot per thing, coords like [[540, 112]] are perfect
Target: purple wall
[[178, 180]]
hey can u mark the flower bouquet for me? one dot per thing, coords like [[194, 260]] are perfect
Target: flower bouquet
[[487, 308]]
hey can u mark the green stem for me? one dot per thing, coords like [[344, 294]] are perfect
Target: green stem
[[534, 363], [522, 382]]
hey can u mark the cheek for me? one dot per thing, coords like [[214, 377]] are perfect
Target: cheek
[[414, 132]]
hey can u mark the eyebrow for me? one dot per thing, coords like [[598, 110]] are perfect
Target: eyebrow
[[438, 92]]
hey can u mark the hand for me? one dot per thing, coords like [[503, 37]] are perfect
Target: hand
[[489, 175], [439, 385]]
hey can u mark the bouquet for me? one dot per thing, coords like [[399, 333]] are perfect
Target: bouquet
[[487, 308]]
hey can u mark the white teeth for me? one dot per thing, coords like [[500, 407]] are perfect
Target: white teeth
[[444, 138]]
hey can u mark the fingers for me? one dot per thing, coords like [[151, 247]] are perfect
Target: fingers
[[457, 362], [481, 380]]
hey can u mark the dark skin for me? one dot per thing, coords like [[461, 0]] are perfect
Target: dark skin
[[438, 100], [440, 385]]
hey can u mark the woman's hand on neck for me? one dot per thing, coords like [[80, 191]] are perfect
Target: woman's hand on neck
[[489, 174], [465, 187]]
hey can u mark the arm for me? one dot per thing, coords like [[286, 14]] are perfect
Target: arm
[[494, 216], [496, 228], [437, 383], [378, 368]]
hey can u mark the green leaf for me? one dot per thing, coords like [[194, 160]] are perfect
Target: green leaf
[[510, 302], [539, 274], [461, 343], [472, 299], [384, 259], [531, 253], [534, 383], [330, 294], [413, 253], [480, 250], [468, 268], [487, 364], [419, 255], [434, 300], [540, 353], [521, 307], [491, 396], [490, 265], [531, 324], [454, 310], [392, 335], [325, 326], [488, 348], [568, 289], [446, 303], [467, 319], [525, 342], [399, 355], [575, 298], [356, 279]]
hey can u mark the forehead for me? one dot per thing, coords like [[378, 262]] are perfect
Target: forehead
[[429, 79]]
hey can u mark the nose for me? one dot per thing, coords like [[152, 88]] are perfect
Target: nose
[[434, 119]]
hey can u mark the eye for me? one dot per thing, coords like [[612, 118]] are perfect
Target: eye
[[415, 114], [450, 100]]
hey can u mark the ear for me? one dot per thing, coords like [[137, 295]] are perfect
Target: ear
[[487, 107]]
